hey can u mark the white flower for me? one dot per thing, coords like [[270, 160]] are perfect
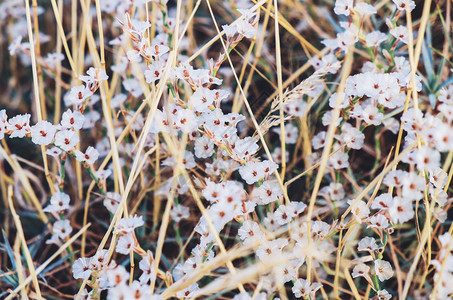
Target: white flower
[[90, 156], [158, 50], [348, 37], [202, 99], [118, 276], [94, 75], [203, 147], [382, 201], [3, 123], [383, 295], [400, 33], [438, 177], [187, 292], [351, 136], [246, 296], [125, 244], [268, 192], [244, 148], [250, 232], [277, 155], [19, 125], [245, 29], [154, 72], [339, 160], [189, 160], [378, 221], [427, 158], [320, 229], [103, 174], [401, 210], [392, 125], [147, 266], [319, 140], [327, 119], [91, 118], [220, 215], [127, 225], [446, 95], [133, 86], [118, 100], [269, 249], [333, 101], [326, 64], [304, 288], [413, 186], [364, 9], [284, 214], [58, 202], [404, 4], [62, 229], [230, 30], [360, 210], [291, 133], [296, 108], [112, 201], [395, 178], [72, 120], [269, 167], [99, 260], [179, 212], [142, 292], [367, 244], [15, 46], [43, 133], [252, 172], [371, 115], [81, 268], [343, 7], [443, 136], [213, 192], [290, 271], [383, 269], [54, 151], [361, 270], [77, 95], [66, 139], [336, 191]]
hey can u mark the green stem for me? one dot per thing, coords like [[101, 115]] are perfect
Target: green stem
[[211, 245], [375, 282], [62, 173]]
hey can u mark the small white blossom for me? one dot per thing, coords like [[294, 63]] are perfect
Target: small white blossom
[[62, 229], [383, 269], [250, 232], [72, 120], [81, 268], [343, 7], [58, 202], [304, 288], [360, 210], [66, 139], [43, 133], [400, 33], [367, 244], [112, 201], [179, 212], [19, 125], [403, 5]]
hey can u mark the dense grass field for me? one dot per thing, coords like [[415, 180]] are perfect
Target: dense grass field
[[237, 149]]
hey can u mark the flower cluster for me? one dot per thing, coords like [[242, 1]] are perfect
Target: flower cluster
[[216, 191]]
